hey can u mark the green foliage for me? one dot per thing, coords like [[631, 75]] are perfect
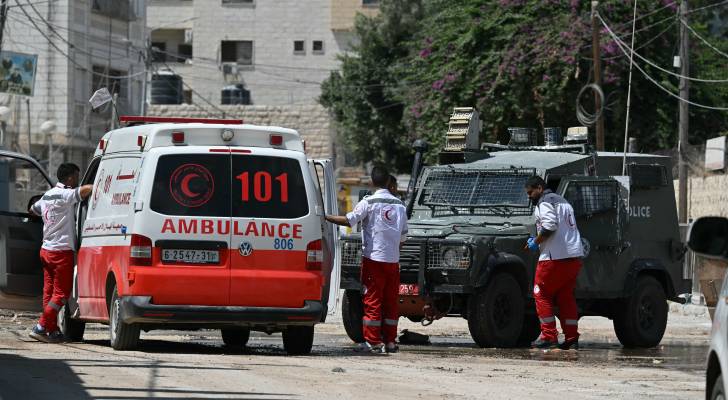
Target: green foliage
[[521, 63]]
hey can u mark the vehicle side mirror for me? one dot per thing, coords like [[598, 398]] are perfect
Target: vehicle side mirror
[[708, 237]]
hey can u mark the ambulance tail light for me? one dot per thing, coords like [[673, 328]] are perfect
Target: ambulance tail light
[[314, 256], [276, 140], [178, 137], [140, 252]]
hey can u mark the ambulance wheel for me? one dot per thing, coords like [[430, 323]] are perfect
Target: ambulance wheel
[[71, 328], [495, 312], [298, 340], [352, 312], [235, 337], [122, 336], [641, 318]]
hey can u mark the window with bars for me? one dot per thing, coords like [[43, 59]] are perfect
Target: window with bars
[[299, 47], [588, 198], [476, 188]]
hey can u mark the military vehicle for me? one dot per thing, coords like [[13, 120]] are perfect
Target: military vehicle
[[470, 219]]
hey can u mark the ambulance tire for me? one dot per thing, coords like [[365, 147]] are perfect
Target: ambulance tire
[[72, 329], [122, 336], [298, 340], [495, 312], [352, 312], [235, 337], [641, 319]]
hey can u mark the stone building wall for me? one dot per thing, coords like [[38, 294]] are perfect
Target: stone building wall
[[311, 121], [706, 196]]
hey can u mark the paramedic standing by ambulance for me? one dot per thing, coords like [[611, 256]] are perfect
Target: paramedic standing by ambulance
[[559, 262], [57, 209], [384, 225]]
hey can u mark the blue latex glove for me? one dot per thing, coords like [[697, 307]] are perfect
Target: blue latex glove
[[531, 244]]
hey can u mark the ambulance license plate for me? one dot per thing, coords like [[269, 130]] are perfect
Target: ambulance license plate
[[409, 290], [191, 256]]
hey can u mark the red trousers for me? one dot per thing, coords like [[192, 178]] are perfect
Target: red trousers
[[57, 285], [380, 289], [554, 285]]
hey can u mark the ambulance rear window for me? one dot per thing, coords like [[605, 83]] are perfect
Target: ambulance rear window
[[213, 185], [268, 187], [192, 185]]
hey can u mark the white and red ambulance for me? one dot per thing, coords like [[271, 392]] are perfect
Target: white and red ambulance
[[204, 224]]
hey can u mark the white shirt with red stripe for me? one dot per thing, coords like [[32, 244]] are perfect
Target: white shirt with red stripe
[[57, 210], [555, 214], [384, 225]]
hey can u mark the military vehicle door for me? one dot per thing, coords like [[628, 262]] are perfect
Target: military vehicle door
[[596, 202]]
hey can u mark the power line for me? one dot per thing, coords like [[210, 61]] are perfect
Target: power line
[[720, 3], [703, 39], [64, 54], [648, 77], [666, 70]]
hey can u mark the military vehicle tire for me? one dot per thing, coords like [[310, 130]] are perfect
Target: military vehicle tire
[[235, 337], [352, 311], [72, 329], [530, 330], [495, 312], [122, 336], [717, 392], [298, 340], [641, 319]]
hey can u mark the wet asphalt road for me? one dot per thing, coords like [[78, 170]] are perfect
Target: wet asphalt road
[[195, 364]]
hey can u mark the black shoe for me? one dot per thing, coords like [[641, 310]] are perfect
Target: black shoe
[[570, 344], [542, 343]]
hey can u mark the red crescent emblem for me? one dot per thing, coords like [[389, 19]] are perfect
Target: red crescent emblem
[[386, 215], [185, 185]]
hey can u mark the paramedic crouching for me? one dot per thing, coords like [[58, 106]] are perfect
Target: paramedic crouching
[[559, 262], [57, 209], [384, 223]]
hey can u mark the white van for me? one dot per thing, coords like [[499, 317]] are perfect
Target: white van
[[204, 224]]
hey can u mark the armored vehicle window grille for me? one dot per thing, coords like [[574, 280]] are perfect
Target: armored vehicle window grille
[[351, 252], [589, 198], [647, 176], [463, 191]]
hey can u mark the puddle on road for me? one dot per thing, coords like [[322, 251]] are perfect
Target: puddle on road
[[672, 355]]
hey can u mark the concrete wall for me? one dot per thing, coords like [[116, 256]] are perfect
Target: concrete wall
[[706, 196], [311, 121], [278, 76], [343, 13]]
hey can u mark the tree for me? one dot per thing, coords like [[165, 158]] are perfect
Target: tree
[[521, 63], [365, 96]]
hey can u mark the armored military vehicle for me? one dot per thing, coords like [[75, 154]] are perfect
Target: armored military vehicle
[[470, 218]]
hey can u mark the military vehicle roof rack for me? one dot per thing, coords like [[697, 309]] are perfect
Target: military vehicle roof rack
[[566, 148]]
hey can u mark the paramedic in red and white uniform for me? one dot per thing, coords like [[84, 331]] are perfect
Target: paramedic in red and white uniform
[[384, 225], [559, 262], [57, 209]]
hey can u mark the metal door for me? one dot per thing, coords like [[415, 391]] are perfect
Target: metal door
[[22, 180], [325, 173]]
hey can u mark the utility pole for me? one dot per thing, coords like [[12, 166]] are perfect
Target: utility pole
[[3, 17], [684, 116], [596, 56]]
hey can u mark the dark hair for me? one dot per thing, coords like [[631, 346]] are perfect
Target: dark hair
[[65, 170], [380, 177], [392, 179], [535, 181]]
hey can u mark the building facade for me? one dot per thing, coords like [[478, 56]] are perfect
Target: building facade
[[277, 51], [81, 46]]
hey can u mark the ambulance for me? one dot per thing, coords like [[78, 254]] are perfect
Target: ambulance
[[196, 223]]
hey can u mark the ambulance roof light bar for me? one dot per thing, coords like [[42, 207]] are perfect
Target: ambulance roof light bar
[[131, 120]]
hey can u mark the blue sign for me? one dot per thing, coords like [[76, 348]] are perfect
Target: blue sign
[[17, 73]]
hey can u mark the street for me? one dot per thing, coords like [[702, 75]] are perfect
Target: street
[[173, 364]]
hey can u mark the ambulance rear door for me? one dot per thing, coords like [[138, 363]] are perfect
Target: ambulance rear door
[[274, 228], [327, 182]]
